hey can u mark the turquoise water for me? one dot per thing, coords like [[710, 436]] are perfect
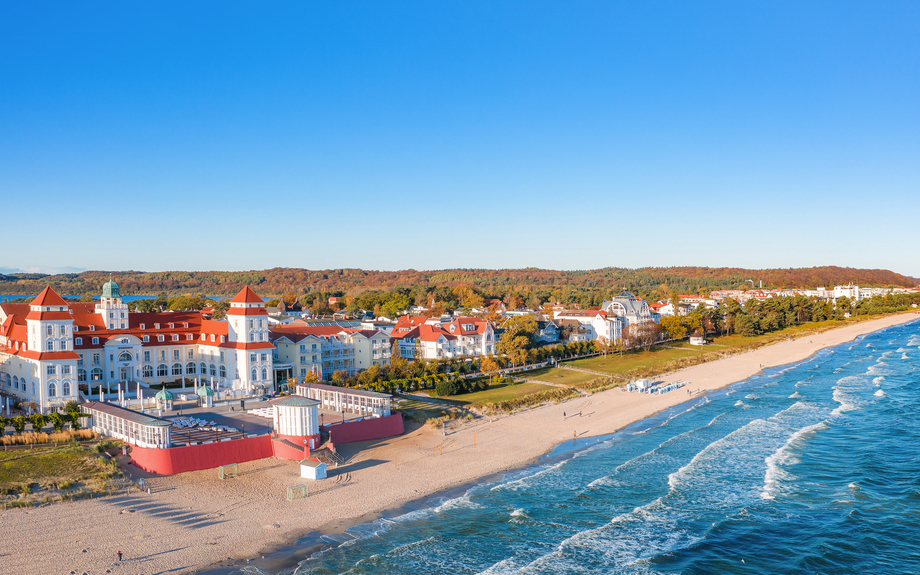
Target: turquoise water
[[809, 468]]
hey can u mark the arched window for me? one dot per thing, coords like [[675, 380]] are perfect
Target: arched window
[[264, 374], [204, 369], [65, 388], [162, 370], [191, 368], [177, 369], [15, 382], [52, 390], [50, 330], [81, 375], [96, 374], [254, 375], [124, 356], [214, 369], [223, 372], [147, 371]]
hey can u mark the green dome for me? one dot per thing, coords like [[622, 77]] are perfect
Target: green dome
[[110, 289], [164, 394], [205, 391]]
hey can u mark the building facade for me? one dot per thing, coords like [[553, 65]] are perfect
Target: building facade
[[50, 347]]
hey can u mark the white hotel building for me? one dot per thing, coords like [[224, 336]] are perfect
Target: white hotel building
[[49, 347]]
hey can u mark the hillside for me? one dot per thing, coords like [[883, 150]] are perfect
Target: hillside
[[277, 281]]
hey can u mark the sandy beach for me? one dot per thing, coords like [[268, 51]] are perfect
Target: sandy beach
[[195, 520]]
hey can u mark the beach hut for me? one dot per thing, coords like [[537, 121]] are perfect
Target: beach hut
[[696, 338], [205, 396], [313, 469], [164, 399]]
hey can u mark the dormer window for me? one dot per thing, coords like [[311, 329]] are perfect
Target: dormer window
[[76, 327], [189, 337], [175, 337], [146, 338], [156, 326], [78, 341], [142, 326], [161, 338], [221, 339], [453, 328], [92, 328], [172, 325], [212, 338]]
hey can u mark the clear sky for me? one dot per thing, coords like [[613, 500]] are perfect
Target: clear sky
[[569, 135]]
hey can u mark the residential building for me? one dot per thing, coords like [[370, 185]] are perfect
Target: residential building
[[437, 338], [326, 349]]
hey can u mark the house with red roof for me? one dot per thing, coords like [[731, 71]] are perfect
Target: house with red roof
[[51, 347], [302, 349], [436, 338]]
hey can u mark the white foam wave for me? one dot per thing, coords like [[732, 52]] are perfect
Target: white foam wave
[[795, 395], [740, 403], [878, 380], [520, 480], [775, 474], [879, 393], [519, 513]]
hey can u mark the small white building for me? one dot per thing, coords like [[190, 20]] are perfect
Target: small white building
[[312, 469], [360, 401], [130, 426], [295, 416], [696, 338]]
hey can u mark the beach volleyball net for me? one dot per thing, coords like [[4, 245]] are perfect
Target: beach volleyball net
[[230, 470], [296, 492]]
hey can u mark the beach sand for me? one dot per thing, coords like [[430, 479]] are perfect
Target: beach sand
[[194, 520]]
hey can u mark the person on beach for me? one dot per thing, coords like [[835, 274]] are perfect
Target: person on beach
[[119, 556]]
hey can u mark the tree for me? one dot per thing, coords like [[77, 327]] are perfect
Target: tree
[[489, 367], [38, 421], [72, 407], [220, 309], [58, 421], [673, 327], [19, 424]]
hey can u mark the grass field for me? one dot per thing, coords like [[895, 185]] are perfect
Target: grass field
[[46, 474], [560, 376], [496, 393]]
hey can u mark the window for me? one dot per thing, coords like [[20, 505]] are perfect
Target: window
[[185, 324], [52, 390], [50, 330], [264, 374], [111, 315], [65, 388], [9, 381], [142, 326], [50, 345], [252, 337], [146, 338], [214, 369], [191, 353], [175, 337], [250, 325], [125, 356], [177, 369], [191, 368], [162, 370], [303, 372], [95, 341], [254, 374], [147, 371], [96, 374], [65, 369], [124, 340], [303, 348], [92, 328], [204, 368], [81, 375], [252, 358], [260, 324], [204, 337], [172, 326], [264, 357], [189, 337], [51, 370], [96, 358], [161, 338], [223, 372], [176, 355], [156, 326], [222, 339], [76, 327], [78, 341]]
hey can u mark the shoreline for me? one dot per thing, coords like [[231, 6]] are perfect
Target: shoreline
[[194, 522]]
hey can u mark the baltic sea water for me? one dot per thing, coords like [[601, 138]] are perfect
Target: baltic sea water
[[807, 468]]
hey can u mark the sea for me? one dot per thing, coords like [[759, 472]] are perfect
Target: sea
[[806, 468]]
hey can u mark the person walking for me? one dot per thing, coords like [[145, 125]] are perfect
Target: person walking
[[119, 556]]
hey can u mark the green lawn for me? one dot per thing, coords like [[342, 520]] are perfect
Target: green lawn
[[496, 393], [560, 376]]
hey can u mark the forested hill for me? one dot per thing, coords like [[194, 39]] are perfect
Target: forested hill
[[277, 281]]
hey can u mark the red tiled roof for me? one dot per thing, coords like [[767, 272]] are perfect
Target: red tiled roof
[[48, 297], [246, 295]]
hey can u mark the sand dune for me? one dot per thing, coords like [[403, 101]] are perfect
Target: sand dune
[[194, 520]]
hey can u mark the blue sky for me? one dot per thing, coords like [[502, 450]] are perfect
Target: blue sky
[[431, 135]]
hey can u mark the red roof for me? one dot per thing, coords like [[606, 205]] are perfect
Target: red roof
[[246, 295], [48, 297]]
